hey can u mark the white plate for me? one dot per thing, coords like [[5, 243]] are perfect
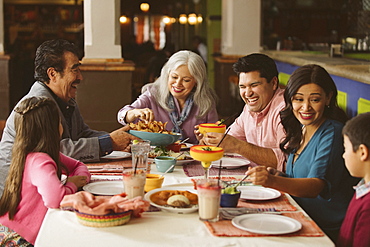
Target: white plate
[[258, 193], [230, 163], [117, 155], [189, 188], [266, 223], [105, 188], [188, 145]]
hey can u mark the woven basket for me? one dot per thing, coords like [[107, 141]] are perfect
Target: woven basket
[[114, 219]]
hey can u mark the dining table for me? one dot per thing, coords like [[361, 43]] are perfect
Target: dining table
[[156, 227]]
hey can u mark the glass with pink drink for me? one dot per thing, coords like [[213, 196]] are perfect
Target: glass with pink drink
[[134, 182], [209, 194]]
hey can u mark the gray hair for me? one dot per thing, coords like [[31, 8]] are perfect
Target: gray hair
[[204, 96]]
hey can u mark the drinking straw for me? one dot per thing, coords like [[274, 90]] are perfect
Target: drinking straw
[[223, 137], [137, 161], [219, 173], [224, 120]]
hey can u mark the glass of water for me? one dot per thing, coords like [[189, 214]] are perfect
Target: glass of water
[[139, 152]]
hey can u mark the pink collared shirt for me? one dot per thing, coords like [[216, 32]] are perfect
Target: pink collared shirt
[[263, 128]]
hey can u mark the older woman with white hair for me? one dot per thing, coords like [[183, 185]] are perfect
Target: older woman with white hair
[[181, 96]]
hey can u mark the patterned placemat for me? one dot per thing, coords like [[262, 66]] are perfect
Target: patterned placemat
[[279, 204], [224, 228], [196, 169]]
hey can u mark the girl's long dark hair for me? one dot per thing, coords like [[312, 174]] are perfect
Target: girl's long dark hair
[[307, 74], [36, 123]]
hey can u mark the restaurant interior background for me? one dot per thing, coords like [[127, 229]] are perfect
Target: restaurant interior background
[[310, 25]]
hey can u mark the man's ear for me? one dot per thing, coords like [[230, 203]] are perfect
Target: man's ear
[[275, 81], [363, 152], [52, 73]]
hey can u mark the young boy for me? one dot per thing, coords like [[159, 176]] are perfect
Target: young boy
[[356, 225]]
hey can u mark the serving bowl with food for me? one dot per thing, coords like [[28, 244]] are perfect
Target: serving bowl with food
[[155, 132], [181, 157]]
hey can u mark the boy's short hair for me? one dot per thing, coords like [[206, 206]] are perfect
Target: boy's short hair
[[358, 131]]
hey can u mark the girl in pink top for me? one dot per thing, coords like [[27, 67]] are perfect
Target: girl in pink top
[[34, 182]]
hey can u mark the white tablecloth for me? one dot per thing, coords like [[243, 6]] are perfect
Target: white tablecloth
[[60, 228]]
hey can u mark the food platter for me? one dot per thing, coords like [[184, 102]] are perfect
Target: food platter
[[156, 139], [105, 188], [250, 192], [266, 223], [173, 209]]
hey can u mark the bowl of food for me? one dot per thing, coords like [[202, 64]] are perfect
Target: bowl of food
[[156, 139], [175, 199], [155, 132], [230, 197], [107, 220]]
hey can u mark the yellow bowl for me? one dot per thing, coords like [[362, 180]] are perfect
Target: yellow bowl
[[153, 182], [211, 127], [200, 152]]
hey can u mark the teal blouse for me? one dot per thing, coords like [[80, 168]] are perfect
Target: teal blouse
[[322, 158]]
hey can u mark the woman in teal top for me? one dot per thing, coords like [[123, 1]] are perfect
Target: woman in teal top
[[315, 176]]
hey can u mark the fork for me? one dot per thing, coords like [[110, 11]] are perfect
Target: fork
[[230, 213]]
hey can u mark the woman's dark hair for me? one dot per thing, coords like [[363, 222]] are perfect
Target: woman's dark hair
[[307, 74], [37, 130], [51, 54], [257, 62]]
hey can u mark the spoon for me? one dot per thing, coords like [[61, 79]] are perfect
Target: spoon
[[183, 141], [181, 153], [240, 181], [166, 171]]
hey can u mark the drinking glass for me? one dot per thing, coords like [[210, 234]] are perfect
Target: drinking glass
[[139, 152], [209, 194]]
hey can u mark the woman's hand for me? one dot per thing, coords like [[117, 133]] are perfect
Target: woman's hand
[[145, 114], [260, 175], [79, 181]]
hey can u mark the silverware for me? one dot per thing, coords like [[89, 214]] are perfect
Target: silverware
[[230, 213], [166, 171], [246, 176], [183, 141]]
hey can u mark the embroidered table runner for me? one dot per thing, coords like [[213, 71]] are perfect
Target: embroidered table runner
[[109, 167], [196, 169]]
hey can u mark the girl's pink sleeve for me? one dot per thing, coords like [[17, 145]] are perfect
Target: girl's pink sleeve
[[75, 167], [42, 173]]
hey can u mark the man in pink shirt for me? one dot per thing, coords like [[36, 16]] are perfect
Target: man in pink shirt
[[257, 132]]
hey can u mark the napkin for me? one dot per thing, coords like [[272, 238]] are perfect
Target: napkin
[[85, 202]]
